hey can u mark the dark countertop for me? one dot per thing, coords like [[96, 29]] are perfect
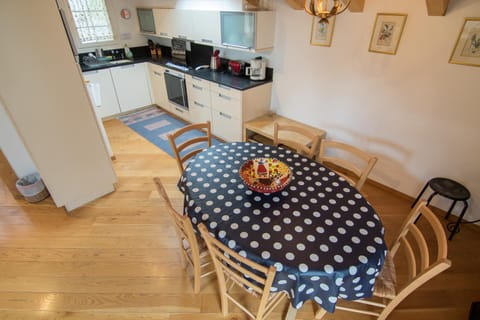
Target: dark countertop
[[220, 77]]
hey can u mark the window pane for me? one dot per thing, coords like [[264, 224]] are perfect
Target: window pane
[[92, 20]]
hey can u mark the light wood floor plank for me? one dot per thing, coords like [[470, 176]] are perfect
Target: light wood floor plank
[[117, 257]]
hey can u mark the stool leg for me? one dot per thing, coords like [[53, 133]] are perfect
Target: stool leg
[[450, 210], [431, 197], [419, 195], [428, 202], [455, 228]]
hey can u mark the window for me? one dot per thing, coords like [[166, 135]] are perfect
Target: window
[[92, 20]]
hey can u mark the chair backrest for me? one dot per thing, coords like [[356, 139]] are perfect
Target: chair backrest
[[418, 245], [183, 226], [186, 147], [301, 139], [354, 161], [424, 249], [232, 269], [421, 248]]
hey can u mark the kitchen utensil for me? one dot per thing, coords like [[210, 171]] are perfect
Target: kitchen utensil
[[236, 67], [215, 60], [257, 69], [99, 53]]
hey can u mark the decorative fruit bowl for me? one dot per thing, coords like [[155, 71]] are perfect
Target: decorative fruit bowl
[[265, 175]]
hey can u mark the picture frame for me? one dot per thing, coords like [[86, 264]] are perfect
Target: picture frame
[[467, 48], [387, 31], [322, 33]]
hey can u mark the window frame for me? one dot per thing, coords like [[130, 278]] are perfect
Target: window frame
[[85, 47]]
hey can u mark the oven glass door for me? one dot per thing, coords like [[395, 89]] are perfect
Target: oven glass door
[[176, 90]]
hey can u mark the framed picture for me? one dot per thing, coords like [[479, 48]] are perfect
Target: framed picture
[[322, 32], [387, 32], [467, 48]]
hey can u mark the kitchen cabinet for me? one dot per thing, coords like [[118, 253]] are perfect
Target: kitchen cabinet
[[231, 108], [199, 101], [157, 85], [206, 27], [161, 18], [172, 23], [109, 104], [253, 30], [180, 112], [131, 86]]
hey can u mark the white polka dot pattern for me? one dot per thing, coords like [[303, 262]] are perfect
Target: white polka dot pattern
[[323, 237]]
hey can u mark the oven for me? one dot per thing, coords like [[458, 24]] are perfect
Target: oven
[[176, 88]]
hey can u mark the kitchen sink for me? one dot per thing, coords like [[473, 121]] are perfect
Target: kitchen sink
[[107, 63], [120, 61]]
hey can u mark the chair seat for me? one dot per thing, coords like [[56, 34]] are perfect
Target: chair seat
[[449, 188], [385, 285]]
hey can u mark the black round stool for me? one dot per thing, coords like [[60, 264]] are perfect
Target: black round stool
[[449, 189]]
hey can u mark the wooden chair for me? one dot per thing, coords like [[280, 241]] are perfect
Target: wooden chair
[[186, 147], [425, 254], [234, 270], [347, 162], [194, 251], [290, 135]]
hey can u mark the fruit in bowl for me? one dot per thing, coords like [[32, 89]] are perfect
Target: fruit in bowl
[[265, 175]]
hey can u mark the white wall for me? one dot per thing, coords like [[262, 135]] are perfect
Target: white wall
[[48, 105], [12, 146], [415, 111]]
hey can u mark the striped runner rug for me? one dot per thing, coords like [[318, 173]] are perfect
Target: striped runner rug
[[154, 124]]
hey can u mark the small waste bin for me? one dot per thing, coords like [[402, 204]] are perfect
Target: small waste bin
[[32, 188]]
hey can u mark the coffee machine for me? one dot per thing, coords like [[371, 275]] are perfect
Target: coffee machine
[[257, 69]]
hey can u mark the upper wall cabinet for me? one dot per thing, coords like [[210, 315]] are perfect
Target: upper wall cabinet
[[253, 30], [206, 27], [173, 23], [244, 30]]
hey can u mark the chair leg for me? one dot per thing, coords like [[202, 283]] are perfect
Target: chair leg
[[196, 279], [320, 313]]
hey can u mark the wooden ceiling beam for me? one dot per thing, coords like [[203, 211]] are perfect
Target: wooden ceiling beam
[[296, 4], [355, 5], [437, 7]]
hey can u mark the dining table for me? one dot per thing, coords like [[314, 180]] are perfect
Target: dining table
[[323, 237]]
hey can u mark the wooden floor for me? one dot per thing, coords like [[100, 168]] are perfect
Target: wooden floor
[[117, 257]]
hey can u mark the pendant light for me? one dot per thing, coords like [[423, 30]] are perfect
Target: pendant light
[[325, 8]]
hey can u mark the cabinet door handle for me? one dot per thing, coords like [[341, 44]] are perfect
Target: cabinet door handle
[[127, 66], [235, 46], [179, 110], [198, 104], [157, 73], [197, 87], [225, 115], [224, 96]]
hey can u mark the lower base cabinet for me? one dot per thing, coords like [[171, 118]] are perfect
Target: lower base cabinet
[[226, 127], [131, 85], [180, 112], [157, 85], [109, 102]]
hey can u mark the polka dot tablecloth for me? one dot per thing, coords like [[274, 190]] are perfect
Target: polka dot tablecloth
[[323, 237]]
